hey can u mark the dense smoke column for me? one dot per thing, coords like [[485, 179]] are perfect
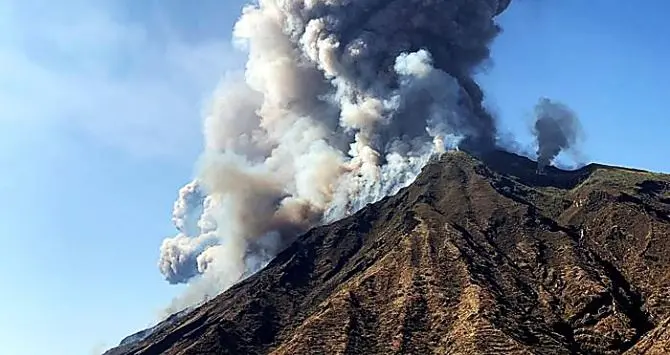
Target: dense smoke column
[[341, 103], [358, 41], [556, 129]]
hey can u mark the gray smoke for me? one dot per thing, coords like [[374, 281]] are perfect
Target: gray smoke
[[556, 129], [342, 103]]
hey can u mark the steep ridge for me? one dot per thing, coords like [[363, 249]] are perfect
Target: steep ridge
[[477, 256]]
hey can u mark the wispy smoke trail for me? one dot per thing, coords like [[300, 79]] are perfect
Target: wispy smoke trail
[[342, 102], [556, 129]]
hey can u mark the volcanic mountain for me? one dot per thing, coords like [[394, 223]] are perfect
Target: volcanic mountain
[[477, 256]]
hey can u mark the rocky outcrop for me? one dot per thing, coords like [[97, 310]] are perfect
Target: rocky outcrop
[[477, 256]]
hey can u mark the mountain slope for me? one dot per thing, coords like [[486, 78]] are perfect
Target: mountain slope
[[475, 257]]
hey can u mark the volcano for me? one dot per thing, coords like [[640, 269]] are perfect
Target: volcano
[[479, 255]]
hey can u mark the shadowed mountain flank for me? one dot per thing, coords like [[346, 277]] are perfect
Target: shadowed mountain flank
[[477, 256]]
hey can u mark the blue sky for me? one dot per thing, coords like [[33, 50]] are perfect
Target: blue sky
[[607, 59], [100, 110]]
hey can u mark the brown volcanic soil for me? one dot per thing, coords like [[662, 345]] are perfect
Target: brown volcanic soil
[[472, 258]]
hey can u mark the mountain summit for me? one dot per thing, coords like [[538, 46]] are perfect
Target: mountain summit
[[477, 256]]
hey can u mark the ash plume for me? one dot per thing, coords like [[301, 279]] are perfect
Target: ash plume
[[556, 129], [341, 103]]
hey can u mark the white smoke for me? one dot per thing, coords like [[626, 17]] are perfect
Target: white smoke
[[338, 107]]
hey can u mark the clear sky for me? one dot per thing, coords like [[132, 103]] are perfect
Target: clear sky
[[100, 109]]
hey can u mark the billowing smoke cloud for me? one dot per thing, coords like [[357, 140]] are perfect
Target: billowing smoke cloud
[[556, 129], [342, 103]]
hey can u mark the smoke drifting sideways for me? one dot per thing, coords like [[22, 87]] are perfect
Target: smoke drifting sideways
[[556, 129], [341, 103]]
